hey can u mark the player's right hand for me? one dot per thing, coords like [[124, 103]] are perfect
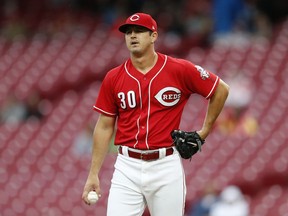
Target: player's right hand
[[92, 183]]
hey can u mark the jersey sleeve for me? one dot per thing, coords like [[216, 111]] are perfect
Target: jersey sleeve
[[201, 81], [105, 102]]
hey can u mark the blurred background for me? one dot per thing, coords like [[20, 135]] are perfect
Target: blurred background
[[54, 55]]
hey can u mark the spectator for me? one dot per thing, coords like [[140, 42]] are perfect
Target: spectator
[[13, 111], [238, 22], [203, 206], [241, 92], [235, 118], [33, 110], [231, 203], [226, 14], [82, 144]]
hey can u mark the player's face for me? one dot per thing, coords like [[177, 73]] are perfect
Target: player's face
[[139, 39]]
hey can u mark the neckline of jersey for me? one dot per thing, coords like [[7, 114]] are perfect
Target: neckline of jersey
[[133, 71]]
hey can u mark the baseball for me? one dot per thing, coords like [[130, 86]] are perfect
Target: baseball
[[93, 197]]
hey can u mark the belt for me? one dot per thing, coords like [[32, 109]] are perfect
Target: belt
[[146, 156]]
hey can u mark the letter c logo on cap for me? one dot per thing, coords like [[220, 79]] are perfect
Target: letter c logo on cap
[[134, 17]]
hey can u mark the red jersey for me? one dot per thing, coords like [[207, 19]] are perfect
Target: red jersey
[[149, 106]]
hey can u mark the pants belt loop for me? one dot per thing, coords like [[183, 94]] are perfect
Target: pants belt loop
[[162, 152], [125, 151]]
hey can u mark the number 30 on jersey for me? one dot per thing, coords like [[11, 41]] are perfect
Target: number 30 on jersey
[[127, 99]]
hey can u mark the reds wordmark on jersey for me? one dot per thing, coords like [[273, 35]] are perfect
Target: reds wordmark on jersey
[[146, 104]]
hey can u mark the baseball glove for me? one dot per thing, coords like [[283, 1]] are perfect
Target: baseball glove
[[187, 143]]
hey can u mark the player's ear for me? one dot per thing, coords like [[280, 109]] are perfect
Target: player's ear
[[154, 36]]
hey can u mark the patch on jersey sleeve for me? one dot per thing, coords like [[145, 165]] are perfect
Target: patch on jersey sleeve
[[203, 73], [168, 96]]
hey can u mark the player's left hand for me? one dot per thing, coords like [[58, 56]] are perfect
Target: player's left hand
[[187, 143]]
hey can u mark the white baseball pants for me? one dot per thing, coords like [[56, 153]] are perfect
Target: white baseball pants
[[159, 184]]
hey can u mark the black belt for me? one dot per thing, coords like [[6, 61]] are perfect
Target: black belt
[[147, 156]]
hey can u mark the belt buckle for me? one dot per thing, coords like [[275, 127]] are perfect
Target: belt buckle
[[143, 155]]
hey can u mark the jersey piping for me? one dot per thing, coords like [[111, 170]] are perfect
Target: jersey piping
[[212, 90], [103, 111], [149, 101], [140, 96]]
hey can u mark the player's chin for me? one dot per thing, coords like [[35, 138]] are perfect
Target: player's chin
[[136, 51]]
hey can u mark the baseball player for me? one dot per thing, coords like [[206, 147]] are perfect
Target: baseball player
[[145, 97]]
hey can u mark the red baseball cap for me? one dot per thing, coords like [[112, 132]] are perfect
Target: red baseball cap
[[140, 19]]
